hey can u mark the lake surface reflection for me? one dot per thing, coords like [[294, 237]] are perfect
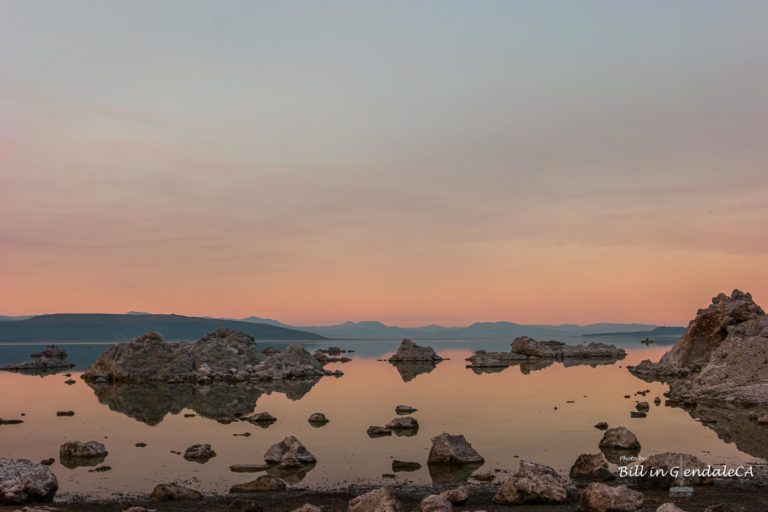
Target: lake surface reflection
[[544, 413]]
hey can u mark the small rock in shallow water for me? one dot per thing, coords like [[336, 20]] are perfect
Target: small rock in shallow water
[[289, 453], [374, 431], [405, 409], [399, 465], [100, 469], [65, 413], [141, 445], [77, 449], [260, 418], [70, 382], [637, 414], [317, 419], [199, 453], [452, 449], [601, 425], [47, 462], [403, 423], [10, 422], [619, 438], [642, 406], [244, 434]]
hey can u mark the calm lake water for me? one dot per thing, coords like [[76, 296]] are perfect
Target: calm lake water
[[507, 415]]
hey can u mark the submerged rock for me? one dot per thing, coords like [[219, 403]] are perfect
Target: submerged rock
[[174, 492], [221, 355], [22, 481], [378, 500], [288, 453], [410, 351], [265, 483], [533, 483], [599, 497], [453, 449]]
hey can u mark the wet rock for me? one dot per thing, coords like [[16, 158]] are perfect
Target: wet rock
[[405, 409], [245, 505], [619, 438], [199, 453], [317, 419], [403, 423], [77, 449], [458, 495], [533, 483], [65, 413], [400, 465], [453, 449], [374, 431], [265, 483], [248, 468], [409, 351], [22, 481], [598, 497], [601, 425], [289, 452], [591, 467], [260, 418], [378, 500], [174, 492], [668, 460], [435, 503]]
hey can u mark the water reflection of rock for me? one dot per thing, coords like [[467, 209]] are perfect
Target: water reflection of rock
[[734, 424], [224, 402], [412, 369], [451, 473], [291, 475], [76, 462]]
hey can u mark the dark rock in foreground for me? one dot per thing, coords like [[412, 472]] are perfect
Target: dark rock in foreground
[[22, 481], [533, 483], [222, 355]]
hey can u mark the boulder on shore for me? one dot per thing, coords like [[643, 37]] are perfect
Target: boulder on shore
[[174, 492], [533, 483], [377, 500], [289, 453], [453, 449], [599, 497], [409, 351], [23, 481]]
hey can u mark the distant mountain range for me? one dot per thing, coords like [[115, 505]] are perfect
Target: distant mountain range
[[105, 327], [117, 327], [378, 330]]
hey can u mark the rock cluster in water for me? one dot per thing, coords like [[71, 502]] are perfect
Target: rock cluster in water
[[528, 350], [50, 359], [221, 355]]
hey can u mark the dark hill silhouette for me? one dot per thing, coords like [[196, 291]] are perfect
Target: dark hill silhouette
[[106, 327]]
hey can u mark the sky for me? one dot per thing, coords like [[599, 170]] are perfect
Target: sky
[[410, 162]]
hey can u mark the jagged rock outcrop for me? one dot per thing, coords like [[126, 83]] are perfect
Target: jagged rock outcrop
[[289, 453], [533, 483], [453, 449], [221, 355], [377, 500], [528, 350], [408, 351], [599, 497], [721, 356], [22, 481]]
